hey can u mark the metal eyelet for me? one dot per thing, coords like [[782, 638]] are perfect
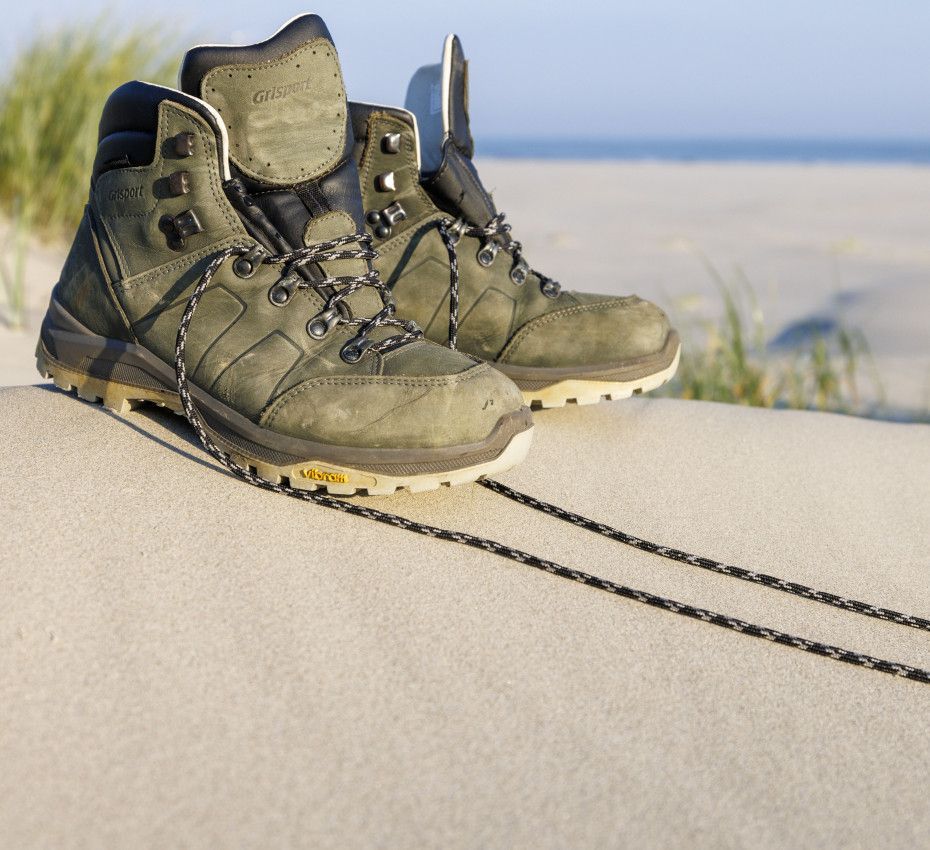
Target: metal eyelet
[[179, 183], [487, 253], [323, 323], [386, 182], [178, 228], [280, 294], [353, 350], [382, 221], [520, 272], [454, 231], [246, 265], [393, 213], [184, 144], [551, 289]]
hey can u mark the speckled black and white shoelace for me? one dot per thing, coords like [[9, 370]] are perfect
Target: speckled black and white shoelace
[[496, 238], [340, 288], [731, 623]]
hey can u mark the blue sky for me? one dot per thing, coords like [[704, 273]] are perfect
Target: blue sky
[[595, 68]]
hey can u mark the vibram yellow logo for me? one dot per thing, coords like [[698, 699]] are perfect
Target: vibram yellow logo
[[315, 474]]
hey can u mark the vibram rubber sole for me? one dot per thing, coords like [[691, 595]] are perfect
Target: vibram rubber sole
[[546, 388], [121, 376]]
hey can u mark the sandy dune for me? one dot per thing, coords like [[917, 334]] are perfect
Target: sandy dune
[[188, 661]]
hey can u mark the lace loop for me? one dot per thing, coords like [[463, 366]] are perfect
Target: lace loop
[[496, 236], [343, 287]]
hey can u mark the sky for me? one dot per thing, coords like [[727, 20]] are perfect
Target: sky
[[600, 68]]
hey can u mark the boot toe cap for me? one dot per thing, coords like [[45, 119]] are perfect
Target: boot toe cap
[[595, 331], [393, 411]]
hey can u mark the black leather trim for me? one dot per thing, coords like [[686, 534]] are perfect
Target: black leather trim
[[129, 123], [359, 113], [199, 61], [134, 107], [123, 149], [288, 211], [341, 190], [456, 187]]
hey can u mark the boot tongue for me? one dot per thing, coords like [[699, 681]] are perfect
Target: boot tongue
[[438, 96], [283, 101]]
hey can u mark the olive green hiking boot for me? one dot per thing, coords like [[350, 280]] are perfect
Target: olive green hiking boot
[[429, 212], [244, 186]]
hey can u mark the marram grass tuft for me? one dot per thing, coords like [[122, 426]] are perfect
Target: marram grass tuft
[[50, 103], [728, 360]]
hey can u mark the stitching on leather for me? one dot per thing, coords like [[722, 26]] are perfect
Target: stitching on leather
[[209, 147], [114, 244], [378, 380], [284, 60], [547, 318], [187, 261], [108, 281], [156, 171], [389, 122], [156, 166]]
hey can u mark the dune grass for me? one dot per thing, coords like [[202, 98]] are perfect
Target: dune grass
[[728, 359], [50, 103]]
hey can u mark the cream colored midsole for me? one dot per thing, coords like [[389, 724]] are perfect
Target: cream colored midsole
[[591, 392], [343, 480]]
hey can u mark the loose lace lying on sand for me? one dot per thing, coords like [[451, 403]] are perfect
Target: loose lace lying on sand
[[773, 582], [731, 623]]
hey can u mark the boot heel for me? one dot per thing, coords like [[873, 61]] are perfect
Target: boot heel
[[114, 394]]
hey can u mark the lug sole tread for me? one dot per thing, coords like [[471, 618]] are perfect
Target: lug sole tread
[[581, 392]]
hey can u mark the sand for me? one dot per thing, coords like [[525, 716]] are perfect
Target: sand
[[188, 661]]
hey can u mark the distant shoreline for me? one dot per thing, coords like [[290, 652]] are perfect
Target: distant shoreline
[[798, 151]]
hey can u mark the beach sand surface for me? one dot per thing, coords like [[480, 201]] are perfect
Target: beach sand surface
[[189, 661]]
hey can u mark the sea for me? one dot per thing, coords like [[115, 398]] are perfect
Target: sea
[[903, 151]]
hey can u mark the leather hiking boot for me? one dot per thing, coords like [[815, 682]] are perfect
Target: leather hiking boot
[[224, 234], [452, 265]]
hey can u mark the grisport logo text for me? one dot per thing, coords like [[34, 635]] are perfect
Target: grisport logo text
[[278, 92], [127, 193], [315, 474]]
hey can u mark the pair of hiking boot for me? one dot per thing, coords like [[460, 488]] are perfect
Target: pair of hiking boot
[[328, 283]]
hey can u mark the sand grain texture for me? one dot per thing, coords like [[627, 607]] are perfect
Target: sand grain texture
[[188, 661]]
